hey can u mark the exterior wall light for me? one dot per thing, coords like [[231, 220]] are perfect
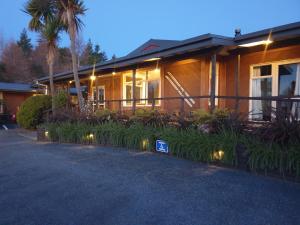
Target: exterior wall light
[[46, 134], [152, 59], [114, 73], [93, 77], [256, 43]]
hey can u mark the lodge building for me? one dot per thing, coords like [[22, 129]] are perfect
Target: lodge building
[[202, 72]]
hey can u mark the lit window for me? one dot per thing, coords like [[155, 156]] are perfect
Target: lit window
[[147, 86]]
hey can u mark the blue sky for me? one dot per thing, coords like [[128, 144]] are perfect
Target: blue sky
[[120, 26]]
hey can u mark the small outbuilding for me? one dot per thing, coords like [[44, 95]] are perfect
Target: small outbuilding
[[12, 95]]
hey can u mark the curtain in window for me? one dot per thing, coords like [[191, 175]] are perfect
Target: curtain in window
[[296, 105], [256, 104]]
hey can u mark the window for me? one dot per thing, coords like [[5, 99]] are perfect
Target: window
[[274, 79], [147, 86]]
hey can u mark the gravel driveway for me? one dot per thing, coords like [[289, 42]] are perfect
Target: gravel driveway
[[61, 184]]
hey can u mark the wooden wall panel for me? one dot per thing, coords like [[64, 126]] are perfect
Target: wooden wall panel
[[193, 75], [14, 100]]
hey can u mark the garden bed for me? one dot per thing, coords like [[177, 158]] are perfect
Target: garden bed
[[225, 147]]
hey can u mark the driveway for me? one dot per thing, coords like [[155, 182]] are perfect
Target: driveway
[[61, 184]]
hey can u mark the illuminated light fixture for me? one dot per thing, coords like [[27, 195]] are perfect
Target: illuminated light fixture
[[93, 77], [114, 73], [90, 136], [70, 82], [218, 155], [152, 59], [256, 43], [46, 133]]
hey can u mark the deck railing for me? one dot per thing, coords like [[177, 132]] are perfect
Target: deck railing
[[235, 102]]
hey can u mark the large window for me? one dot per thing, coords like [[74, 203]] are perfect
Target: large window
[[274, 79], [147, 86]]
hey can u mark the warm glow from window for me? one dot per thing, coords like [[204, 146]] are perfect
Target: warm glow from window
[[252, 44]]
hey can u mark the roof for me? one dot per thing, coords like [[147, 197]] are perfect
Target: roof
[[16, 87], [275, 33], [152, 49], [157, 48]]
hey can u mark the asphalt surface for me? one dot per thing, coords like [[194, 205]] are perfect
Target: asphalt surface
[[61, 184]]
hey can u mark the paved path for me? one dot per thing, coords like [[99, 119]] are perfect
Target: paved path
[[53, 184]]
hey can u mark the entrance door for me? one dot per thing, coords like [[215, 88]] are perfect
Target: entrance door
[[99, 96]]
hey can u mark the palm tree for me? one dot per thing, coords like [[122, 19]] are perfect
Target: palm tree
[[69, 12], [43, 20], [50, 34]]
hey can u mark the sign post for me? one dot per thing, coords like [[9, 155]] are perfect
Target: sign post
[[162, 146]]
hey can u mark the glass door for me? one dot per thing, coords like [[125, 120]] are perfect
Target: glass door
[[289, 86], [99, 96], [261, 87]]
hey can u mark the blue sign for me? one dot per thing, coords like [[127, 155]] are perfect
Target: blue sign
[[162, 146]]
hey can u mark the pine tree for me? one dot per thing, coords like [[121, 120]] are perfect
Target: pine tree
[[25, 43], [93, 54]]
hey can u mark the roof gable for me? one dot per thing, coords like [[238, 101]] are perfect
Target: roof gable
[[152, 45]]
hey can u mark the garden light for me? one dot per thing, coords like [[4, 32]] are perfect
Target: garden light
[[145, 144], [218, 155]]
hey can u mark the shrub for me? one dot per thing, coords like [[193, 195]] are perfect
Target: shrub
[[31, 111], [60, 100], [201, 116]]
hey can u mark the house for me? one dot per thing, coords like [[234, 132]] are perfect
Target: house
[[12, 95], [248, 72]]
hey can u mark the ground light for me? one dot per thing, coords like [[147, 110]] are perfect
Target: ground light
[[145, 144], [218, 155], [90, 136]]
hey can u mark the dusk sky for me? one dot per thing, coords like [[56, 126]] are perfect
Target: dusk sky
[[120, 26]]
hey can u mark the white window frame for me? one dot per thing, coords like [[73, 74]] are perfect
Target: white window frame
[[275, 77], [144, 89], [96, 89]]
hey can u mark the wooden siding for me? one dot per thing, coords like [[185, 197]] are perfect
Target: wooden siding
[[193, 76], [13, 100]]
